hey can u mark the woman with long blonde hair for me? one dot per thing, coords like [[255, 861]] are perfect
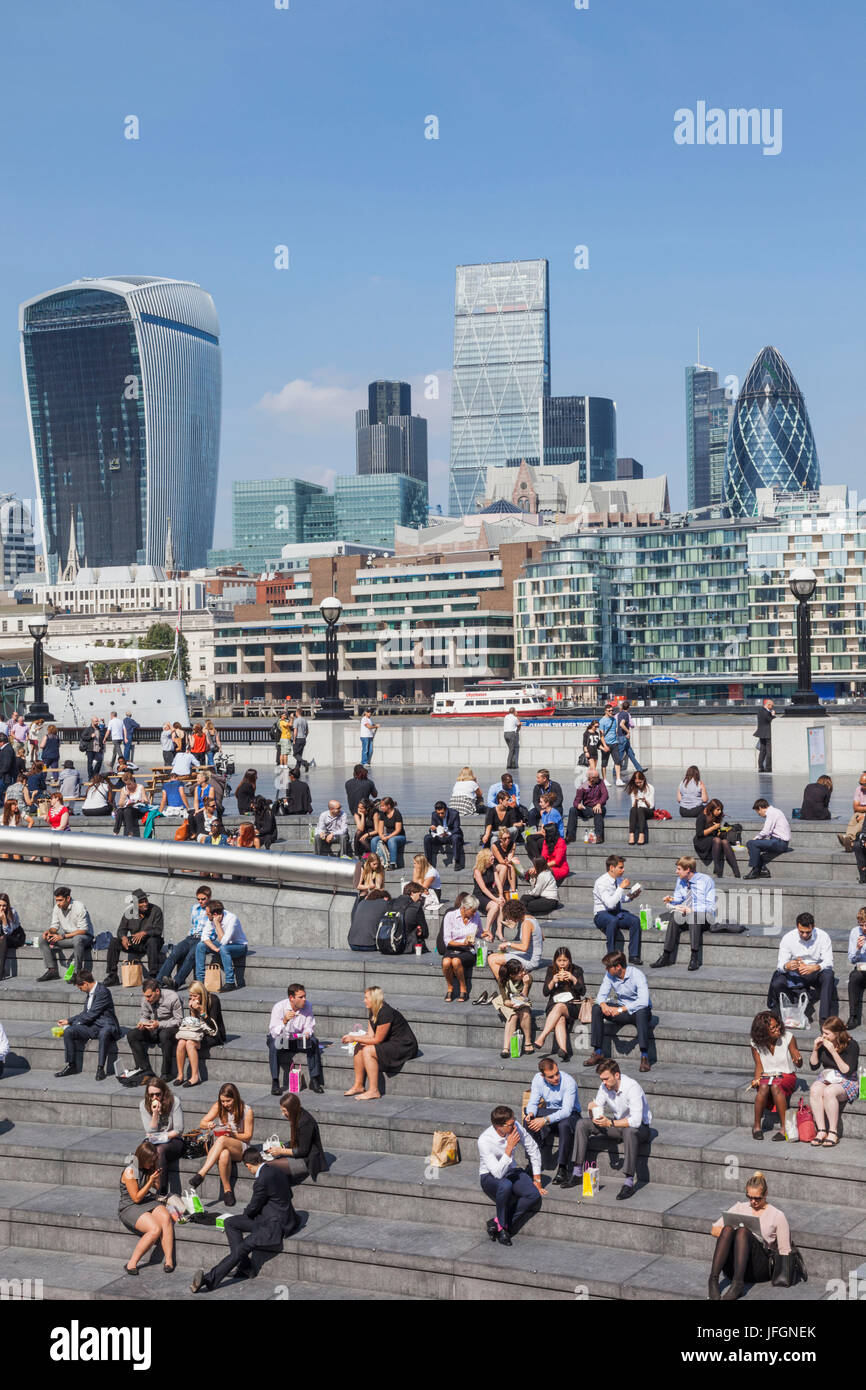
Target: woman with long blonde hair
[[488, 889], [372, 875], [201, 1025], [424, 873], [466, 795]]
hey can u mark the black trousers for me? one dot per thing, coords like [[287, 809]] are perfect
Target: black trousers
[[600, 1024], [537, 906], [856, 986], [150, 947], [140, 1039], [450, 846], [165, 1154], [637, 821], [341, 845], [298, 751], [821, 987], [860, 857], [243, 1252], [128, 819], [765, 755], [581, 812], [692, 922], [310, 1047], [564, 1130]]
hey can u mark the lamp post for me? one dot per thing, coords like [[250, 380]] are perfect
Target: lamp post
[[804, 702], [38, 629], [332, 706]]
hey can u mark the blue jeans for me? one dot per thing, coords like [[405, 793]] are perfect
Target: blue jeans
[[209, 757], [227, 954], [366, 750], [765, 847], [626, 922], [394, 848], [127, 750], [183, 956], [514, 1194], [625, 751]]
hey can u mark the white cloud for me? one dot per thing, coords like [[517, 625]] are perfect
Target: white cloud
[[315, 407]]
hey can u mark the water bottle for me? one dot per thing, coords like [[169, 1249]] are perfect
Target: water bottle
[[660, 926]]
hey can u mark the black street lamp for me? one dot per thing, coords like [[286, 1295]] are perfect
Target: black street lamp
[[38, 629], [332, 706], [804, 702]]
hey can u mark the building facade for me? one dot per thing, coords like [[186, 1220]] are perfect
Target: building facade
[[17, 544], [268, 513], [388, 437], [628, 469], [367, 509], [501, 369], [122, 379], [581, 430], [770, 443], [708, 415]]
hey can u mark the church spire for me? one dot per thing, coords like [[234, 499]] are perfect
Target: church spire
[[73, 564]]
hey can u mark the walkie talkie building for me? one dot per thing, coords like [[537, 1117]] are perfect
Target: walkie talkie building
[[122, 377]]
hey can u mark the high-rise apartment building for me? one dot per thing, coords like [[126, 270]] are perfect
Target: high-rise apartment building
[[501, 369], [708, 415], [122, 380], [770, 443], [582, 430]]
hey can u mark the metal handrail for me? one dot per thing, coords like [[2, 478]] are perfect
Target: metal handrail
[[172, 856]]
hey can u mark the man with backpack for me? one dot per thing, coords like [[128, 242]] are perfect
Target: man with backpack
[[403, 925]]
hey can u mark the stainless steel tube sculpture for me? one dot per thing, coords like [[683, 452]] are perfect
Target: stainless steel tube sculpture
[[171, 856]]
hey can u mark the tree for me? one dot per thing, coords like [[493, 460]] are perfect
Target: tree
[[162, 635]]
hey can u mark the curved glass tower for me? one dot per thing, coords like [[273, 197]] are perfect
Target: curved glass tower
[[770, 441], [122, 378]]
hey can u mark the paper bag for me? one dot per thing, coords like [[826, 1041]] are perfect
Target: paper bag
[[590, 1180], [446, 1150], [131, 974], [213, 977]]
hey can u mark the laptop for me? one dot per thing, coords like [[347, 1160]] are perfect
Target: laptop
[[751, 1223]]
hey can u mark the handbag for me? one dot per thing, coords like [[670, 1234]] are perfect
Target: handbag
[[446, 1151], [584, 1013], [213, 977], [583, 760], [182, 832], [806, 1127], [660, 814], [196, 1143], [16, 938], [789, 1269]]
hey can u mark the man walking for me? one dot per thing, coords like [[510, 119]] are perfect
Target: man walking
[[609, 745], [300, 734], [624, 725], [8, 765], [511, 727], [115, 738], [764, 735], [130, 729], [266, 1220]]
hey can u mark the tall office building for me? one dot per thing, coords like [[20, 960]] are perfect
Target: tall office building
[[770, 444], [501, 369], [269, 513], [122, 377], [628, 468], [17, 544], [368, 508], [582, 430], [388, 437], [708, 415]]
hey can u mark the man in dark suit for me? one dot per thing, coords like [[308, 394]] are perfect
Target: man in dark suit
[[268, 1217], [297, 800], [8, 764], [445, 835], [97, 1020], [764, 735]]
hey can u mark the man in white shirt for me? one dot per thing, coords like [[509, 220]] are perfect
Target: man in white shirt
[[224, 938], [368, 733], [619, 1112], [292, 1026], [694, 907], [183, 764], [332, 831], [114, 738], [774, 839], [510, 1187], [511, 727], [805, 962], [608, 893]]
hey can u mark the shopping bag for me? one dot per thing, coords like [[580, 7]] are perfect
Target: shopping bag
[[191, 1201], [590, 1180], [295, 1078], [131, 974], [213, 977], [793, 1010], [515, 1047], [481, 955], [863, 1083], [69, 971], [806, 1128], [792, 1133], [446, 1150]]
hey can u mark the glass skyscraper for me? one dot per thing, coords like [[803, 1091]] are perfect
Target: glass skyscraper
[[386, 398], [770, 443], [368, 508], [501, 368], [579, 429], [122, 378], [17, 546], [708, 415], [269, 513]]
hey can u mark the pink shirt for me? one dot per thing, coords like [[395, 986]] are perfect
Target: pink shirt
[[774, 1225]]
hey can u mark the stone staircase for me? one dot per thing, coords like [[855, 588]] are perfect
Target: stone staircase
[[381, 1223]]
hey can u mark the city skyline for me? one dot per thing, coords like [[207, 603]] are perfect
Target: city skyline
[[678, 237]]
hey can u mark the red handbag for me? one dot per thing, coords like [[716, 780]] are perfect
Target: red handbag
[[806, 1127], [660, 814]]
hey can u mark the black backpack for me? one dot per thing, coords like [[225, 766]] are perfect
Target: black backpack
[[391, 934]]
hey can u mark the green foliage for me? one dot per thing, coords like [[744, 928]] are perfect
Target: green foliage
[[162, 635]]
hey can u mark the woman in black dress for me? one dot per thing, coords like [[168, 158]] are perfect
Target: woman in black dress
[[387, 1044], [563, 977], [711, 846], [141, 1211], [303, 1155], [264, 823], [591, 745], [246, 792]]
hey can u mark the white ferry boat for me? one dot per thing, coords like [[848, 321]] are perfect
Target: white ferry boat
[[493, 700]]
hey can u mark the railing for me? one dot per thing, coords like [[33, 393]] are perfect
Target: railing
[[171, 857]]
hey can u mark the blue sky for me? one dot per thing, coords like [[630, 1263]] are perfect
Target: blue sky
[[305, 127]]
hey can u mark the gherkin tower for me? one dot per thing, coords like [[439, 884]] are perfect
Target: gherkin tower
[[770, 442]]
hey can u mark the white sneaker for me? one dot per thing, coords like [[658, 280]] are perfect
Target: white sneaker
[[606, 781], [619, 783]]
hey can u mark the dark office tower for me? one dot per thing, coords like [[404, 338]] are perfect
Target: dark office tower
[[628, 468], [579, 429], [770, 443], [386, 398], [395, 444], [708, 415], [501, 368], [122, 383]]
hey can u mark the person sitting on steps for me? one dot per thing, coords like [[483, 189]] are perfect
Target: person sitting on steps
[[634, 1006], [775, 1055], [739, 1253]]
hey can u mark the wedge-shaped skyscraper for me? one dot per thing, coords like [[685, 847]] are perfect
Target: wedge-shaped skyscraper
[[122, 378]]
